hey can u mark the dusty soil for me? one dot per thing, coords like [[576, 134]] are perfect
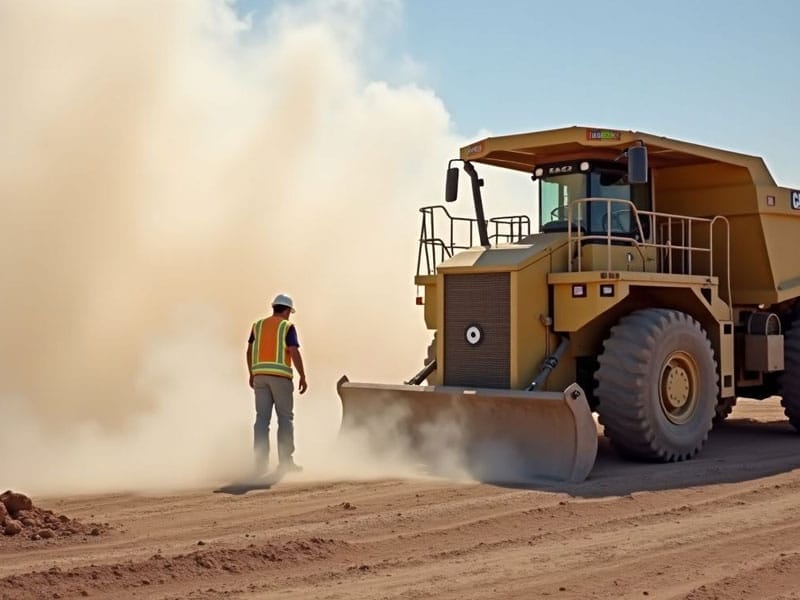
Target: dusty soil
[[722, 526]]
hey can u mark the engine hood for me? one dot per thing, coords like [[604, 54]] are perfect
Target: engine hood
[[505, 257]]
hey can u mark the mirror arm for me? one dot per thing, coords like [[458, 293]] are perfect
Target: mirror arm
[[477, 183]]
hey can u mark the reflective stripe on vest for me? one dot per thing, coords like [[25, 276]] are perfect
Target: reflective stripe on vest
[[269, 355]]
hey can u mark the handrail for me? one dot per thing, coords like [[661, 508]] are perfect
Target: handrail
[[727, 223], [434, 249], [673, 238], [607, 236]]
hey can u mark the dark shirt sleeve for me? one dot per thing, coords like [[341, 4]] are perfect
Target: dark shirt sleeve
[[291, 337]]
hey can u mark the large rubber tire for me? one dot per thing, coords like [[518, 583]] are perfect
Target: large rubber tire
[[790, 381], [657, 386]]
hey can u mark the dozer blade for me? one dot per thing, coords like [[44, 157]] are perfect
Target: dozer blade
[[497, 433]]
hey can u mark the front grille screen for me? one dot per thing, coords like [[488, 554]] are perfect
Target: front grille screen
[[477, 307]]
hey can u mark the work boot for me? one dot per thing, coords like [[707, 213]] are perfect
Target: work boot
[[289, 466]]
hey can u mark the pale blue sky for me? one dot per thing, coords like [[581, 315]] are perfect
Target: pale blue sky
[[715, 72]]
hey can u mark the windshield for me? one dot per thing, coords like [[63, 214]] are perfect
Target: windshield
[[557, 192]]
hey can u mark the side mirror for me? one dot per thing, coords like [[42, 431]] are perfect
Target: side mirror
[[637, 164], [451, 188]]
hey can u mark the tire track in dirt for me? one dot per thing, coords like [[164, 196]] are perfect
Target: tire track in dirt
[[159, 569], [774, 579], [639, 538], [496, 537]]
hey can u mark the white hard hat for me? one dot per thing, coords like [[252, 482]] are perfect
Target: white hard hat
[[283, 300]]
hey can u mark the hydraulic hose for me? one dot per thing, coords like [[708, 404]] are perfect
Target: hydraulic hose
[[550, 363]]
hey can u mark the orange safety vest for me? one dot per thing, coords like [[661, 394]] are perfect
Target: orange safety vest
[[269, 354]]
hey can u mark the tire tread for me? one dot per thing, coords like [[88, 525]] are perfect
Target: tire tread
[[622, 385]]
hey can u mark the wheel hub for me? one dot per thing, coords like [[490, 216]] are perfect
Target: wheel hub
[[678, 387]]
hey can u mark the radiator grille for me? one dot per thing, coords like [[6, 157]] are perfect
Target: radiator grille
[[483, 300]]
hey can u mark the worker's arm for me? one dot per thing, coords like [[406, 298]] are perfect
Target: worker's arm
[[297, 361]]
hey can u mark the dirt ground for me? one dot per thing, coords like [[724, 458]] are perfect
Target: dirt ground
[[722, 526]]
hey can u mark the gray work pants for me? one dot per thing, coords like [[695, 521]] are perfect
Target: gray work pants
[[272, 390]]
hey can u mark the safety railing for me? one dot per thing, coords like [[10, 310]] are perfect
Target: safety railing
[[679, 241], [438, 243]]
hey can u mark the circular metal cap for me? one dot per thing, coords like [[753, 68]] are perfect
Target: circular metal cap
[[473, 334]]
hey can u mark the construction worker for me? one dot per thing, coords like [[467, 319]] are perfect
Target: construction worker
[[271, 351]]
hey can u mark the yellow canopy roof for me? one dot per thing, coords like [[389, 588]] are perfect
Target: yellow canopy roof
[[524, 151]]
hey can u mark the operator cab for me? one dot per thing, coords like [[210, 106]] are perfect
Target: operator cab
[[598, 199], [561, 184]]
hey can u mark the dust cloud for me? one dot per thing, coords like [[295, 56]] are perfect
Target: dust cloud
[[165, 169]]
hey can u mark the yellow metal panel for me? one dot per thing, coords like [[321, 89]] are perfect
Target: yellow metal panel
[[425, 280], [655, 279], [505, 257], [529, 311], [604, 257], [573, 313], [706, 189], [782, 239], [723, 344]]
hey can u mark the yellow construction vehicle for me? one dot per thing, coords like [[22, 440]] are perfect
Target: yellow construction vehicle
[[663, 283]]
